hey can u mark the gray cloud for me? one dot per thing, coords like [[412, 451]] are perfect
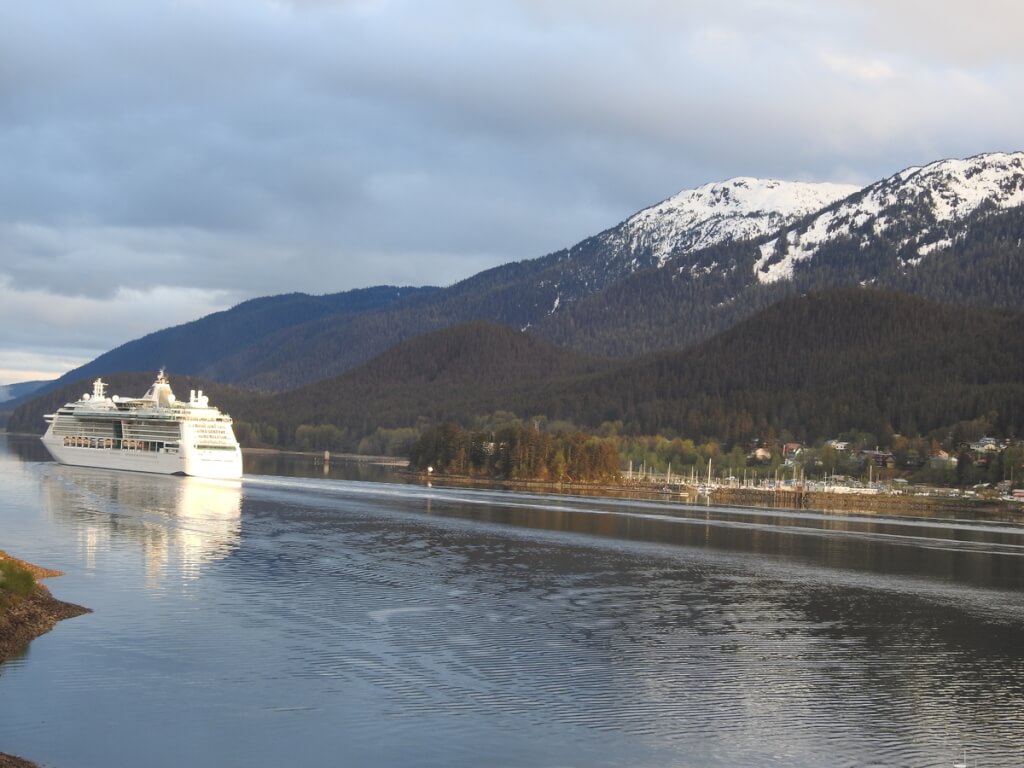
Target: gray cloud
[[243, 148]]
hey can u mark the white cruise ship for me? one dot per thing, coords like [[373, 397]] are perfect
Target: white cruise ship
[[154, 433]]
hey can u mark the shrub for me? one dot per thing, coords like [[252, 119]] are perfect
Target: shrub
[[14, 578]]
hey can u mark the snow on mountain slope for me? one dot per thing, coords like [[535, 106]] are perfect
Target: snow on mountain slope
[[737, 209], [714, 214], [917, 208]]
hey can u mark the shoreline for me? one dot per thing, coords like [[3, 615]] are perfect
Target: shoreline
[[824, 502], [937, 502], [318, 456], [23, 619]]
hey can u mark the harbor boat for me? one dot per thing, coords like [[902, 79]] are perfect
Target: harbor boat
[[153, 433]]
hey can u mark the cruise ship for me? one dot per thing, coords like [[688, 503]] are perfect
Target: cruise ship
[[153, 433]]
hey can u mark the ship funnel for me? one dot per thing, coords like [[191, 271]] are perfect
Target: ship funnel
[[160, 393]]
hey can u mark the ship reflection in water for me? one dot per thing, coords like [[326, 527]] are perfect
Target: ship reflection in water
[[184, 523]]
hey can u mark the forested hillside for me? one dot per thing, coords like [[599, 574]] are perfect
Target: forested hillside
[[459, 372], [816, 365], [810, 367]]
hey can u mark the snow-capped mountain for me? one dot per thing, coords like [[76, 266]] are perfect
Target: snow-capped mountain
[[951, 231], [918, 212], [671, 275], [738, 209], [735, 210]]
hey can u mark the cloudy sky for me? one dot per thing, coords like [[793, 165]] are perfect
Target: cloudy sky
[[163, 159]]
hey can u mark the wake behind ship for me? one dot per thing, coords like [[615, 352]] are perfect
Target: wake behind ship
[[154, 433]]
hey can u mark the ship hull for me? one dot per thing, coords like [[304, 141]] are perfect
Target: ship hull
[[217, 464]]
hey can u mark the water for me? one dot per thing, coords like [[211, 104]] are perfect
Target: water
[[313, 621]]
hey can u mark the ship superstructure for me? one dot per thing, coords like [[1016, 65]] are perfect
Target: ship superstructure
[[153, 433]]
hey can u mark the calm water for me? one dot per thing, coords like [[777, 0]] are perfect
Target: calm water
[[322, 621]]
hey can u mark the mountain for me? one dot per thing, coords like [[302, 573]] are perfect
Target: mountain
[[738, 209], [216, 346], [670, 276], [951, 231], [13, 395], [813, 366], [475, 367], [522, 294], [468, 369], [20, 390], [916, 213], [827, 362]]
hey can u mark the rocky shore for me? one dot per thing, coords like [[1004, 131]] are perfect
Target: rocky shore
[[10, 761], [23, 619]]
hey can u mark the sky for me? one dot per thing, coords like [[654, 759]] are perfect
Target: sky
[[164, 159]]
